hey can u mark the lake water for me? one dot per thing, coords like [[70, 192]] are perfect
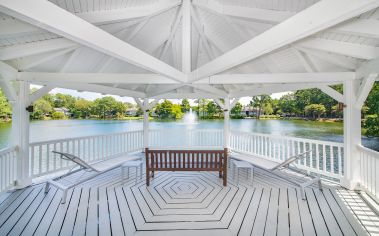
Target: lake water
[[58, 129]]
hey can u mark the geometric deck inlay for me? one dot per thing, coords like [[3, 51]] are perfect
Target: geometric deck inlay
[[177, 203]]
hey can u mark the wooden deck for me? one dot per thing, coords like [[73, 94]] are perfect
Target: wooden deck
[[178, 203]]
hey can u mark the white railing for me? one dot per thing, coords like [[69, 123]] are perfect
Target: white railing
[[91, 148], [325, 159], [369, 164], [8, 168], [186, 138]]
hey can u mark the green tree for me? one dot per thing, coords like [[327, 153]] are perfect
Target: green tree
[[42, 108], [287, 104], [82, 108], [237, 110], [64, 100], [259, 101], [176, 111], [267, 109], [5, 108], [315, 110], [185, 106], [164, 109], [104, 107], [56, 115]]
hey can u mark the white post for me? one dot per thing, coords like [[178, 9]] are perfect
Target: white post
[[352, 135], [226, 122], [20, 133], [145, 123], [186, 37]]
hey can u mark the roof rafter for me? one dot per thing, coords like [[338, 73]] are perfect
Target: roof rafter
[[285, 33], [258, 14], [361, 27], [56, 20]]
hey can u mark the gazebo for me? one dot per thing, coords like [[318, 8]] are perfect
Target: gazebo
[[175, 49]]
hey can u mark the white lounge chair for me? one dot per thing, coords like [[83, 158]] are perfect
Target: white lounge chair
[[83, 166], [273, 167]]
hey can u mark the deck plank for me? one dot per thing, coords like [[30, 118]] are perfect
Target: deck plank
[[294, 215], [56, 224], [305, 216], [70, 217], [272, 215], [92, 226], [81, 218], [283, 221], [318, 219], [250, 216], [104, 221], [260, 221], [126, 216], [115, 217]]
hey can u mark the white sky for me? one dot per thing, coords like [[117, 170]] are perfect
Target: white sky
[[92, 96]]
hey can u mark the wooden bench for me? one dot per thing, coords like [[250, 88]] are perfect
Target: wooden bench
[[186, 160]]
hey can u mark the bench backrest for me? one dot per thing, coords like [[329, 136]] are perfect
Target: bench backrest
[[183, 160]]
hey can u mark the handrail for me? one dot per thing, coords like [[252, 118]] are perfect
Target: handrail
[[8, 149], [8, 168], [365, 149], [368, 179]]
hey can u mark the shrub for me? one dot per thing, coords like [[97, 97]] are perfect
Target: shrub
[[58, 115]]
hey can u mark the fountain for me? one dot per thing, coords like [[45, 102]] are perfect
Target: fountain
[[190, 118]]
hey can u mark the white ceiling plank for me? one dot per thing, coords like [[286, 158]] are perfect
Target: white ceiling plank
[[56, 20], [164, 90], [128, 13], [277, 78], [361, 27], [277, 88], [338, 60], [210, 89], [15, 28], [40, 93], [97, 89], [194, 95], [110, 78], [186, 36], [307, 64], [174, 29], [33, 61], [332, 93], [258, 14], [368, 67], [17, 51], [365, 89], [307, 22], [70, 60], [342, 48]]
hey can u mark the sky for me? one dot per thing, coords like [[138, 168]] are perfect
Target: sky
[[92, 96]]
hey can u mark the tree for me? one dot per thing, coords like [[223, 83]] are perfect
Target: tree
[[185, 106], [164, 109], [5, 108], [287, 104], [82, 108], [64, 100], [315, 110], [104, 107], [176, 111], [42, 108], [237, 110], [259, 101], [58, 115], [267, 109]]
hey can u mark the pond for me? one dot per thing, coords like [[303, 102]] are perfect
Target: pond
[[59, 129]]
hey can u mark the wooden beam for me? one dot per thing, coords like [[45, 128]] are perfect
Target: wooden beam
[[8, 73], [360, 27], [250, 13], [174, 29], [166, 89], [54, 19], [365, 89], [97, 89], [89, 78], [368, 67], [307, 22], [40, 93], [128, 13], [332, 93], [304, 60], [28, 49], [343, 48], [277, 78], [210, 89]]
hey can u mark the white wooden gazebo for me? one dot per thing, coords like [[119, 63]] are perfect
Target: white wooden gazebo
[[174, 49]]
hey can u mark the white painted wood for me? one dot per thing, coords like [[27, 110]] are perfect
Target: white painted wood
[[174, 29], [333, 12], [227, 107], [259, 14], [56, 20], [23, 50], [186, 37], [362, 27], [278, 78], [332, 93], [364, 89], [343, 48], [352, 135], [110, 78], [146, 123], [40, 92], [128, 13], [200, 29]]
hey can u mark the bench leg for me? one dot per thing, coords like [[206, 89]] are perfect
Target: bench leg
[[47, 187], [64, 196], [224, 179], [220, 174], [147, 178]]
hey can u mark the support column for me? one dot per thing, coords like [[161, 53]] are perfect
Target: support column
[[20, 133], [226, 122], [145, 123], [352, 135]]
